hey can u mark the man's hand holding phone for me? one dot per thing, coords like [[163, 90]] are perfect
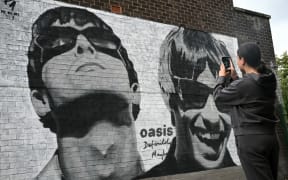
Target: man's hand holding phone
[[226, 61], [227, 68]]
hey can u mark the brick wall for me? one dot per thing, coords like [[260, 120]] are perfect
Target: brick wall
[[27, 149], [211, 16]]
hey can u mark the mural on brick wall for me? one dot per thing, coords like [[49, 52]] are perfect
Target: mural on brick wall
[[85, 89], [189, 65], [105, 96]]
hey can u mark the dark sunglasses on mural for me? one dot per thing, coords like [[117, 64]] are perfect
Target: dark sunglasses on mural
[[57, 40], [193, 94]]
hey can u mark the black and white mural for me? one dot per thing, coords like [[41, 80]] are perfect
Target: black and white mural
[[87, 94], [188, 68], [85, 89]]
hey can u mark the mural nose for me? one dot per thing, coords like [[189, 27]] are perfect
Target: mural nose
[[210, 110], [83, 45]]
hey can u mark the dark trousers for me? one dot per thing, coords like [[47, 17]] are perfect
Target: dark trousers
[[258, 155]]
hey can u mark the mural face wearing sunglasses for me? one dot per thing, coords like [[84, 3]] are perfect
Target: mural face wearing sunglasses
[[208, 127], [87, 55], [90, 94]]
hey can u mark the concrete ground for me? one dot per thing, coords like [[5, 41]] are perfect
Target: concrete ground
[[231, 173]]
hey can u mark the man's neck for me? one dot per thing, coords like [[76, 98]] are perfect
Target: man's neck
[[249, 70]]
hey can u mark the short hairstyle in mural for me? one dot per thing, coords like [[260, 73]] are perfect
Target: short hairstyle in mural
[[189, 63], [85, 89]]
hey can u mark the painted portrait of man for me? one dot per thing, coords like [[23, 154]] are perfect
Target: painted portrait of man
[[98, 91], [84, 88], [189, 62]]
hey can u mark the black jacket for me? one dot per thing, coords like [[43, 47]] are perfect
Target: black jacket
[[250, 102]]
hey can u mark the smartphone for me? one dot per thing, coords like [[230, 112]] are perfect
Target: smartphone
[[226, 62]]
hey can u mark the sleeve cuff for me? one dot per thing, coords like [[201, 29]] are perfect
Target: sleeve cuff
[[221, 80]]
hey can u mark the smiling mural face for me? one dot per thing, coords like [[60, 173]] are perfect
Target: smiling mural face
[[207, 128]]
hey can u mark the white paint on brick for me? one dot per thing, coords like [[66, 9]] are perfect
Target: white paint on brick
[[29, 145]]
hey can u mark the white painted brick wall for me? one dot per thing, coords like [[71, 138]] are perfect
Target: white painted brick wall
[[25, 146]]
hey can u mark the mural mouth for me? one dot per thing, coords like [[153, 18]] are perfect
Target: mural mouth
[[212, 140]]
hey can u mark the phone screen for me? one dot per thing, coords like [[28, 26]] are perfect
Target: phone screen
[[226, 62]]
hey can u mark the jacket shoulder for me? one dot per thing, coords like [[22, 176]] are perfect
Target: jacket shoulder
[[241, 83]]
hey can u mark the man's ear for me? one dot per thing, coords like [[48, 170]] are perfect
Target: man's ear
[[242, 61], [40, 102], [136, 98]]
